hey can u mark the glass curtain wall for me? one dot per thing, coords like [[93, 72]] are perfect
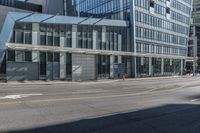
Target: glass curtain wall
[[115, 39], [98, 29], [112, 39], [22, 5], [55, 35], [111, 9], [50, 65], [68, 66], [22, 33], [142, 66], [156, 66], [103, 66], [43, 65], [168, 67], [84, 37], [177, 67]]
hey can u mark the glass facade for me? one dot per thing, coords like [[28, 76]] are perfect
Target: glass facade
[[142, 67], [110, 9], [22, 5], [58, 36], [194, 42], [103, 66], [157, 36], [112, 39], [162, 28], [162, 25]]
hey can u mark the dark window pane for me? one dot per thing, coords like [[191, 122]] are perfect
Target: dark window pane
[[57, 57], [43, 63], [50, 57], [11, 55], [28, 56]]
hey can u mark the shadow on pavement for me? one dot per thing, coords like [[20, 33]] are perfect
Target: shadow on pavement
[[166, 119]]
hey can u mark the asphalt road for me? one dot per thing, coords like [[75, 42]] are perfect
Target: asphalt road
[[170, 105]]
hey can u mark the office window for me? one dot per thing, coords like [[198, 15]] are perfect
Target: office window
[[42, 38], [11, 55], [28, 56], [27, 37]]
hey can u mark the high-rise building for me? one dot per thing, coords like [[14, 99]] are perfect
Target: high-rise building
[[18, 6], [160, 28], [194, 42], [95, 39]]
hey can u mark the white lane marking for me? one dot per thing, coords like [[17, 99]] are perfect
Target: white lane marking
[[20, 96], [194, 100]]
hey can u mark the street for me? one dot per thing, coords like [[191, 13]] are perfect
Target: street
[[155, 105]]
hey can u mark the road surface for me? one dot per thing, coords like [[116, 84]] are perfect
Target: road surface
[[156, 105]]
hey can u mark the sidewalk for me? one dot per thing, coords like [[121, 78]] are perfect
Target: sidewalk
[[42, 82]]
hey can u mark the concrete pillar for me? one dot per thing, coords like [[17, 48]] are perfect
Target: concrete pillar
[[35, 41], [62, 41], [133, 67], [74, 36], [155, 49], [162, 66], [119, 42], [150, 49], [142, 61], [119, 59], [142, 47], [103, 38], [170, 51], [115, 43], [171, 61], [62, 66], [35, 34], [182, 66], [111, 66], [150, 66], [178, 51], [35, 56], [94, 38]]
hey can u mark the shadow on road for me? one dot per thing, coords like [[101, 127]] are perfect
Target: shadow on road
[[166, 119]]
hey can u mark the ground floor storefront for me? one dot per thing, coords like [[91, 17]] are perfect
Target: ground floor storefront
[[152, 67], [46, 65]]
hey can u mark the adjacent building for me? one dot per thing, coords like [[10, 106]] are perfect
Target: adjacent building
[[157, 27], [17, 6], [194, 42], [96, 39]]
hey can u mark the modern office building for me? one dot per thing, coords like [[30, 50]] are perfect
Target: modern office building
[[157, 27], [18, 6], [194, 42], [97, 39]]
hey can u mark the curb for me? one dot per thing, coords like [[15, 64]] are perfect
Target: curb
[[91, 82]]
